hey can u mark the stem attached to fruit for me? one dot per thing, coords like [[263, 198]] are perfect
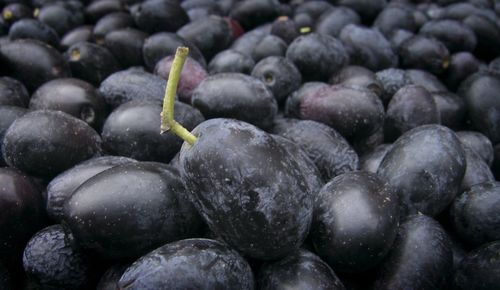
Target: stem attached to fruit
[[167, 114]]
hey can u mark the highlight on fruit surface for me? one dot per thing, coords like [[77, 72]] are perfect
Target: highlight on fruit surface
[[167, 115]]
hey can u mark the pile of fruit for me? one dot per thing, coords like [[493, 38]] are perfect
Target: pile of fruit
[[252, 144]]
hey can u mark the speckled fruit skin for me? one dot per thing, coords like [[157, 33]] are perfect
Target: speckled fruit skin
[[201, 264], [248, 188], [425, 166]]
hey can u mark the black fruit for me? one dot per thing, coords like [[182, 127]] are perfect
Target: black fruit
[[230, 60], [480, 269], [126, 45], [80, 34], [34, 29], [159, 15], [45, 143], [189, 264], [13, 93], [426, 53], [248, 188], [8, 114]]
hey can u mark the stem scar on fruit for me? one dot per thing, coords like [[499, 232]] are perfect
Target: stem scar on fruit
[[167, 114]]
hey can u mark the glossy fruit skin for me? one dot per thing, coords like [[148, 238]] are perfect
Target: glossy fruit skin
[[353, 111], [8, 114], [248, 188], [109, 23], [475, 214], [126, 45], [333, 20], [285, 28], [368, 47], [33, 62], [33, 143], [159, 15], [97, 9], [189, 264], [477, 170], [211, 35], [421, 257], [52, 262], [91, 62], [132, 84], [193, 73], [21, 205], [63, 185], [480, 269], [425, 166], [480, 94], [60, 16], [112, 212], [13, 93], [293, 102], [238, 96], [247, 42], [479, 143], [73, 96], [79, 34], [331, 153], [410, 107], [132, 130], [393, 18], [230, 60], [162, 44], [299, 270], [454, 34], [34, 29], [354, 75], [251, 13], [462, 65], [109, 280], [370, 161], [329, 55], [270, 45], [355, 221], [452, 109], [279, 74], [422, 52]]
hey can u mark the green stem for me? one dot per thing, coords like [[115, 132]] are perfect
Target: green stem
[[167, 115]]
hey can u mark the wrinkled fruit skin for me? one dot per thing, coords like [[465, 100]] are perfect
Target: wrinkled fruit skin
[[247, 187]]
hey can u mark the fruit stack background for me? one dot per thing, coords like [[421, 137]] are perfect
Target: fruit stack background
[[343, 144]]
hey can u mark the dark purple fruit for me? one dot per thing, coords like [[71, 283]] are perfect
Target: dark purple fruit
[[64, 184], [421, 257], [475, 214], [159, 15], [251, 13], [391, 80], [331, 153], [14, 12], [238, 96], [487, 33], [285, 28], [34, 29], [426, 79], [477, 171], [109, 23], [395, 17], [248, 188], [73, 96], [300, 270], [45, 143], [52, 262], [91, 62], [61, 17], [355, 221], [368, 47], [370, 161], [453, 34], [33, 62], [333, 20], [480, 269], [249, 40], [367, 9], [79, 34], [132, 130], [357, 76], [230, 60], [410, 107], [109, 280], [210, 35], [354, 112], [317, 56], [97, 9], [279, 75], [398, 37], [193, 73], [21, 205], [126, 45], [112, 213], [425, 167], [480, 92], [13, 93], [270, 45], [162, 44], [189, 264], [462, 65], [451, 109], [293, 102], [479, 143], [426, 53], [8, 114], [132, 84]]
